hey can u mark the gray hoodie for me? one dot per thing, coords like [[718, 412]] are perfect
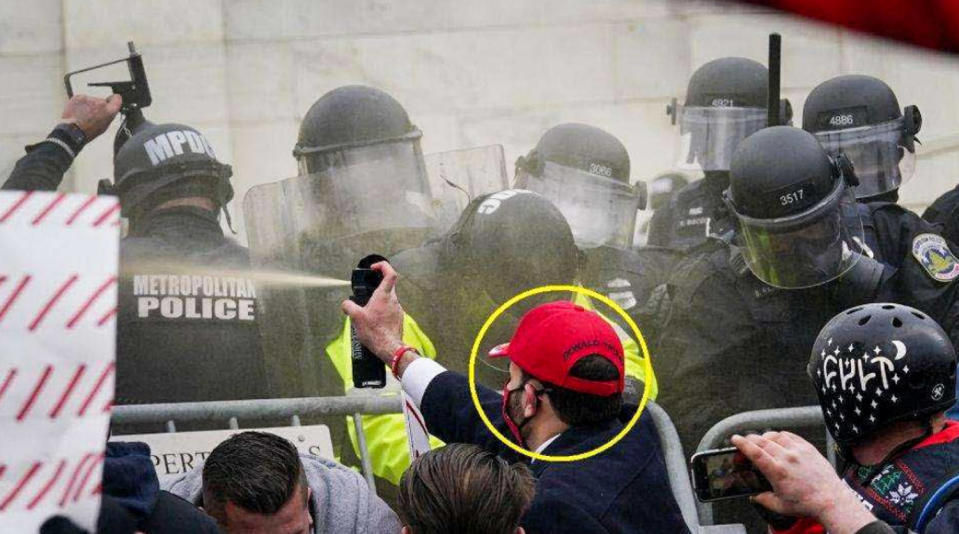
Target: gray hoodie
[[341, 501]]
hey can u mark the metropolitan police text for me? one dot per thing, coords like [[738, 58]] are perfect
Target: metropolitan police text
[[194, 297]]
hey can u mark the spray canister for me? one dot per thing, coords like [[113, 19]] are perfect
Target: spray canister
[[368, 370]]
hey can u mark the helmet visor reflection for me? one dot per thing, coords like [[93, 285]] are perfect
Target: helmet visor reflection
[[600, 211], [710, 135], [878, 154], [808, 249]]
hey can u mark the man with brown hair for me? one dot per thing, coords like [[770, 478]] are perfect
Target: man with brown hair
[[462, 488], [257, 483]]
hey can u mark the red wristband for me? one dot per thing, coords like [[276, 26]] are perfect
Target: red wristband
[[397, 356]]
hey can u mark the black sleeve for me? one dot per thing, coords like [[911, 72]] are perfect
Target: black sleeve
[[911, 284], [556, 516], [943, 213], [451, 416], [171, 514], [44, 165], [660, 226]]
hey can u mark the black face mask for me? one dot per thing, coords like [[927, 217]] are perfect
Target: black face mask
[[514, 426]]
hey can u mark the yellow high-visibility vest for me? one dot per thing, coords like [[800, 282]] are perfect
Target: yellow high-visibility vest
[[385, 433]]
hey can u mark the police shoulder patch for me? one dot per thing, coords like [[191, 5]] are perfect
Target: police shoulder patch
[[933, 254]]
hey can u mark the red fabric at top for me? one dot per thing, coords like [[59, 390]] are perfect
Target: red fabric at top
[[928, 23], [948, 434], [805, 525]]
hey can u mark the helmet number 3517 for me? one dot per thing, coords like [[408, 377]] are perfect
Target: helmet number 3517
[[791, 198]]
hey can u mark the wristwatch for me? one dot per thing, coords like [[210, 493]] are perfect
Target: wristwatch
[[75, 135]]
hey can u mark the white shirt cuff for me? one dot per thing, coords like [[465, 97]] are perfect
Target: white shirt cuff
[[417, 377]]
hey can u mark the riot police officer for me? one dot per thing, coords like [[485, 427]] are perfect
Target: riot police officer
[[584, 171], [859, 116], [502, 244], [725, 102], [745, 310], [187, 317], [354, 143]]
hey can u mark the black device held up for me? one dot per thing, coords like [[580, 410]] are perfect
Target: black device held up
[[135, 93], [368, 370], [720, 474]]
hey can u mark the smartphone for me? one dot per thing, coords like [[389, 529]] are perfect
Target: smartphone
[[726, 474], [368, 370]]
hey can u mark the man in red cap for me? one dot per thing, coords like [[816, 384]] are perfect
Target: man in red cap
[[563, 397]]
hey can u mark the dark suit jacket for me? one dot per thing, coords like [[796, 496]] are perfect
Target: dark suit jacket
[[623, 489]]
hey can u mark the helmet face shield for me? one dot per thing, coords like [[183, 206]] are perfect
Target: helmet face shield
[[339, 203], [879, 155], [348, 200], [807, 249], [323, 224], [405, 152], [710, 135], [458, 176], [601, 211]]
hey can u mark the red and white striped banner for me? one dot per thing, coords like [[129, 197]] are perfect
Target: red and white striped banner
[[58, 302]]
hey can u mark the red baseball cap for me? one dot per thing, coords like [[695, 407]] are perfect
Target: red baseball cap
[[552, 337]]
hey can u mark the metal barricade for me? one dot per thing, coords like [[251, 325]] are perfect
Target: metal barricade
[[780, 418], [675, 465], [230, 412]]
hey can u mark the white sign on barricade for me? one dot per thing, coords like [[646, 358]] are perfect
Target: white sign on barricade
[[176, 453], [58, 299], [417, 435]]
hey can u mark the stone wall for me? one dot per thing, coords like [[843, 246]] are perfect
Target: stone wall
[[470, 73]]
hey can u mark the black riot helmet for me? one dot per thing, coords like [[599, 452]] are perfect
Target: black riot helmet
[[513, 240], [584, 171], [725, 102], [355, 124], [796, 211], [163, 162], [880, 363], [859, 116]]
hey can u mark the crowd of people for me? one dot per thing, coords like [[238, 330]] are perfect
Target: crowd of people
[[787, 275]]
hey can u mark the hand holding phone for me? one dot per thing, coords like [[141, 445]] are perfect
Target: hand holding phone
[[726, 474]]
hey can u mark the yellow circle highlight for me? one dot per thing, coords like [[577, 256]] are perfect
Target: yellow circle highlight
[[647, 370]]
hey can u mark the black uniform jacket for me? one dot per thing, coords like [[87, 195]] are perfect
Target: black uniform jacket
[[691, 215], [944, 212], [185, 331]]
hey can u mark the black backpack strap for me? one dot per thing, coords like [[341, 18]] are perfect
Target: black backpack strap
[[936, 497]]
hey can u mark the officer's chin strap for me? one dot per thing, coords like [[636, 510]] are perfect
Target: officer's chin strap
[[229, 220]]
